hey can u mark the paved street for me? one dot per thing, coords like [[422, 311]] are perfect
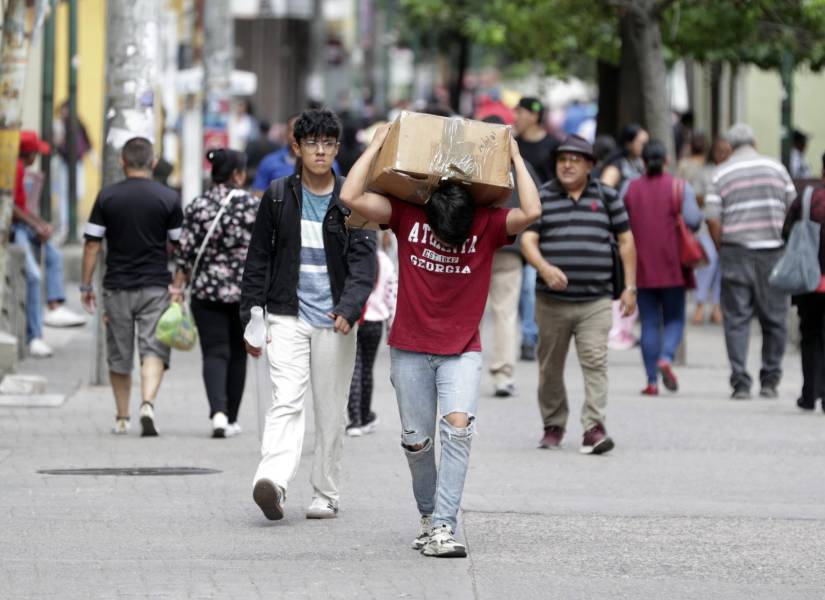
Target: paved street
[[702, 498]]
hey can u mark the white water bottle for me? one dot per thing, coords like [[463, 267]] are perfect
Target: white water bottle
[[255, 332]]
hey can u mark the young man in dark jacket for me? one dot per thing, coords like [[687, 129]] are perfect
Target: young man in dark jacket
[[313, 275]]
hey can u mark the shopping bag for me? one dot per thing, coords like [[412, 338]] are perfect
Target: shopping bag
[[797, 272], [691, 253], [176, 328]]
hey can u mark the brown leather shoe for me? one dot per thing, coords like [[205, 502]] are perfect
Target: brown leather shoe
[[552, 438]]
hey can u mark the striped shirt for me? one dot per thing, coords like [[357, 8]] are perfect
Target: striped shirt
[[574, 235], [749, 195], [314, 291]]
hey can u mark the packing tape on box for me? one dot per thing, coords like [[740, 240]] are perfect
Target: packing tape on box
[[455, 158]]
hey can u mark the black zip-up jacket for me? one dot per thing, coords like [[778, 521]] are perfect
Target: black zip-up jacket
[[275, 255]]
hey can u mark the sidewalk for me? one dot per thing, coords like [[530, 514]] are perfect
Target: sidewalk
[[702, 498]]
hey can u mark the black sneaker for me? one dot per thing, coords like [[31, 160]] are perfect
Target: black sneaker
[[805, 405], [741, 393], [269, 497], [528, 352]]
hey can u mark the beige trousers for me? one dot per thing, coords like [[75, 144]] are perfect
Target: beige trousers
[[505, 288], [589, 323]]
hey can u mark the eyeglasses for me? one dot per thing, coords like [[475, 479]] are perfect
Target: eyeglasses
[[315, 145], [573, 159]]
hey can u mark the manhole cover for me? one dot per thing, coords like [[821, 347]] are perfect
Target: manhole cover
[[131, 471]]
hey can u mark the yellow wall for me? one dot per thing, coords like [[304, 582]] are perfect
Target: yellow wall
[[91, 77], [762, 98]]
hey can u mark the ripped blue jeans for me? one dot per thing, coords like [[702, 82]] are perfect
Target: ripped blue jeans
[[425, 383]]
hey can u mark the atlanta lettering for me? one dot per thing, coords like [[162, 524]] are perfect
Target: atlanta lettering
[[447, 258]]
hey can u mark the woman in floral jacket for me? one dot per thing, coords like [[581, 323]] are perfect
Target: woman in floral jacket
[[216, 289]]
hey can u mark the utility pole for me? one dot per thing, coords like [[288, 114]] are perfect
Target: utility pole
[[787, 106], [132, 53], [219, 61], [72, 129], [47, 114], [14, 57]]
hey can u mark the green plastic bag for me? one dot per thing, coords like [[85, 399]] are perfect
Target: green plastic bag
[[176, 328]]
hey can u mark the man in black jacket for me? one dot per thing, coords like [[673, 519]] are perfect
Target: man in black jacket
[[313, 275]]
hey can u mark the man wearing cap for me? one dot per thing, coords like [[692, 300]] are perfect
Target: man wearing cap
[[570, 248], [538, 149], [31, 233]]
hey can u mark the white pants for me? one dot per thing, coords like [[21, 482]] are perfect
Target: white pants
[[505, 287], [298, 353]]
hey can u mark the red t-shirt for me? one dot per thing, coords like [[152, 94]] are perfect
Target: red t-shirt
[[19, 188], [442, 291]]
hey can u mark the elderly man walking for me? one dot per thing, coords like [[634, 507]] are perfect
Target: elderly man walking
[[745, 208], [570, 249]]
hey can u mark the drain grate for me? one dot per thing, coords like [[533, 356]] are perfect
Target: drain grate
[[132, 471]]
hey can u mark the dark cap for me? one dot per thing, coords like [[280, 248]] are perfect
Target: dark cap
[[576, 144], [531, 103]]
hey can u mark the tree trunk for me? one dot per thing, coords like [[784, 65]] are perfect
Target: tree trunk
[[609, 77], [13, 59], [646, 37], [715, 99], [462, 63], [629, 100], [132, 56]]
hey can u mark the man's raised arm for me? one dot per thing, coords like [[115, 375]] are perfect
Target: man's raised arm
[[375, 207]]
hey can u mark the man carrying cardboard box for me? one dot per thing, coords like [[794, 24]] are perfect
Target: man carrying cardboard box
[[445, 256]]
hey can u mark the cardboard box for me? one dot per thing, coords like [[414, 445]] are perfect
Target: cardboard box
[[423, 150]]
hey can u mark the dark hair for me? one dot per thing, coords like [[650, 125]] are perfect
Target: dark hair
[[494, 119], [655, 155], [603, 146], [225, 162], [698, 144], [628, 134], [317, 123], [138, 154], [450, 213], [823, 162], [687, 118], [438, 110], [799, 138]]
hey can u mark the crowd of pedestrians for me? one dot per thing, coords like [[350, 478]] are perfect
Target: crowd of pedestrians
[[591, 237]]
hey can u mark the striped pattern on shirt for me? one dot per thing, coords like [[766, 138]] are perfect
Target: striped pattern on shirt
[[314, 291], [575, 237], [749, 195]]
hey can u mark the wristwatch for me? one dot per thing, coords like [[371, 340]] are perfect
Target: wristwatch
[[85, 289], [631, 288]]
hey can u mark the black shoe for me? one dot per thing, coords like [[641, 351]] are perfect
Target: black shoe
[[528, 352], [741, 393], [768, 391], [806, 405]]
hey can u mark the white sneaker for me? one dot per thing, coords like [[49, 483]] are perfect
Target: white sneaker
[[63, 317], [442, 544], [40, 349], [322, 509], [122, 426], [147, 420], [219, 425], [423, 532], [354, 431], [369, 427], [233, 429]]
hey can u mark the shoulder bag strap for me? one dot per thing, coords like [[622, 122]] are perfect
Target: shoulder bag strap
[[208, 235], [806, 203]]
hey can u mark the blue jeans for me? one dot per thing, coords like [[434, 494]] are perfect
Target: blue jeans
[[424, 383], [709, 277], [26, 238], [527, 307], [662, 314]]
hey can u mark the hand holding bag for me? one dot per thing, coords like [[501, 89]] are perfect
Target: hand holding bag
[[176, 327], [691, 253], [797, 272]]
